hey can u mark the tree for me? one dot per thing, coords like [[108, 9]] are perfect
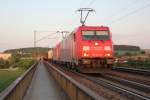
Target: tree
[[4, 63], [14, 59]]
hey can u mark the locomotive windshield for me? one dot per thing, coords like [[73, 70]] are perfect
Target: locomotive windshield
[[95, 35]]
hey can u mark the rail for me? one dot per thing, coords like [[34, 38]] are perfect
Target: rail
[[132, 84], [74, 89], [18, 88], [120, 86], [133, 70], [136, 95]]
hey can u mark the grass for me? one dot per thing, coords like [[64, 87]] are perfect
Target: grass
[[7, 77]]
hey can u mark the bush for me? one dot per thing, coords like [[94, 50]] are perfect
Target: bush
[[4, 63], [139, 63], [14, 59], [25, 63]]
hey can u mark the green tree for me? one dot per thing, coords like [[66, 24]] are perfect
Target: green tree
[[4, 63], [14, 59]]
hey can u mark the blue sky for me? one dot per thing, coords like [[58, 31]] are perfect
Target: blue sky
[[128, 21]]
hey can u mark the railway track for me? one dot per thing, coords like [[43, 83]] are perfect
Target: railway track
[[131, 89], [132, 84], [120, 88], [128, 88], [132, 70]]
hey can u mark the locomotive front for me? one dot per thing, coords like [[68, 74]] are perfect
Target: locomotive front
[[95, 47]]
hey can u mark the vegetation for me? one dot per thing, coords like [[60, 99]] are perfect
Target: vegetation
[[143, 52], [15, 61], [24, 64], [27, 52], [126, 53], [7, 63], [126, 50], [4, 64], [139, 64], [142, 64], [7, 77], [12, 68]]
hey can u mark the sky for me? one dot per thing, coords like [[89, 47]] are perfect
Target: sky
[[128, 20]]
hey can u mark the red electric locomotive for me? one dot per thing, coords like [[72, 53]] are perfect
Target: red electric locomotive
[[88, 49]]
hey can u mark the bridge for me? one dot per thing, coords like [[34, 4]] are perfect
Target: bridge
[[40, 83], [43, 86]]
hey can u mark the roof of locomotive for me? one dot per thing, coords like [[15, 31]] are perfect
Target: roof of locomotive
[[92, 27]]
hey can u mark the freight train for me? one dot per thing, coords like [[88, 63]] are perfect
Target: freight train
[[87, 49]]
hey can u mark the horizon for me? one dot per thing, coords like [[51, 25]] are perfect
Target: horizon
[[48, 47]]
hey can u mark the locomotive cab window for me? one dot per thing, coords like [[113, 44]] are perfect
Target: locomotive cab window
[[87, 35], [102, 35], [95, 35]]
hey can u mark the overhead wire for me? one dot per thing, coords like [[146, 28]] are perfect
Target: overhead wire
[[45, 37], [129, 14], [52, 36], [123, 9]]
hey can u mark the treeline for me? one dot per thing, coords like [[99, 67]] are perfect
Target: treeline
[[126, 48], [29, 50]]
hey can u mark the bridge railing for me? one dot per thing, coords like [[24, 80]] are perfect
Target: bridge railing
[[18, 88], [73, 88]]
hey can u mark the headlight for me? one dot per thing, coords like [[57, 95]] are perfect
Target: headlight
[[86, 48], [107, 48], [85, 54], [108, 54], [96, 43]]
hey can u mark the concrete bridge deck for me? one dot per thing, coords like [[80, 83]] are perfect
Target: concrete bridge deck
[[44, 87]]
